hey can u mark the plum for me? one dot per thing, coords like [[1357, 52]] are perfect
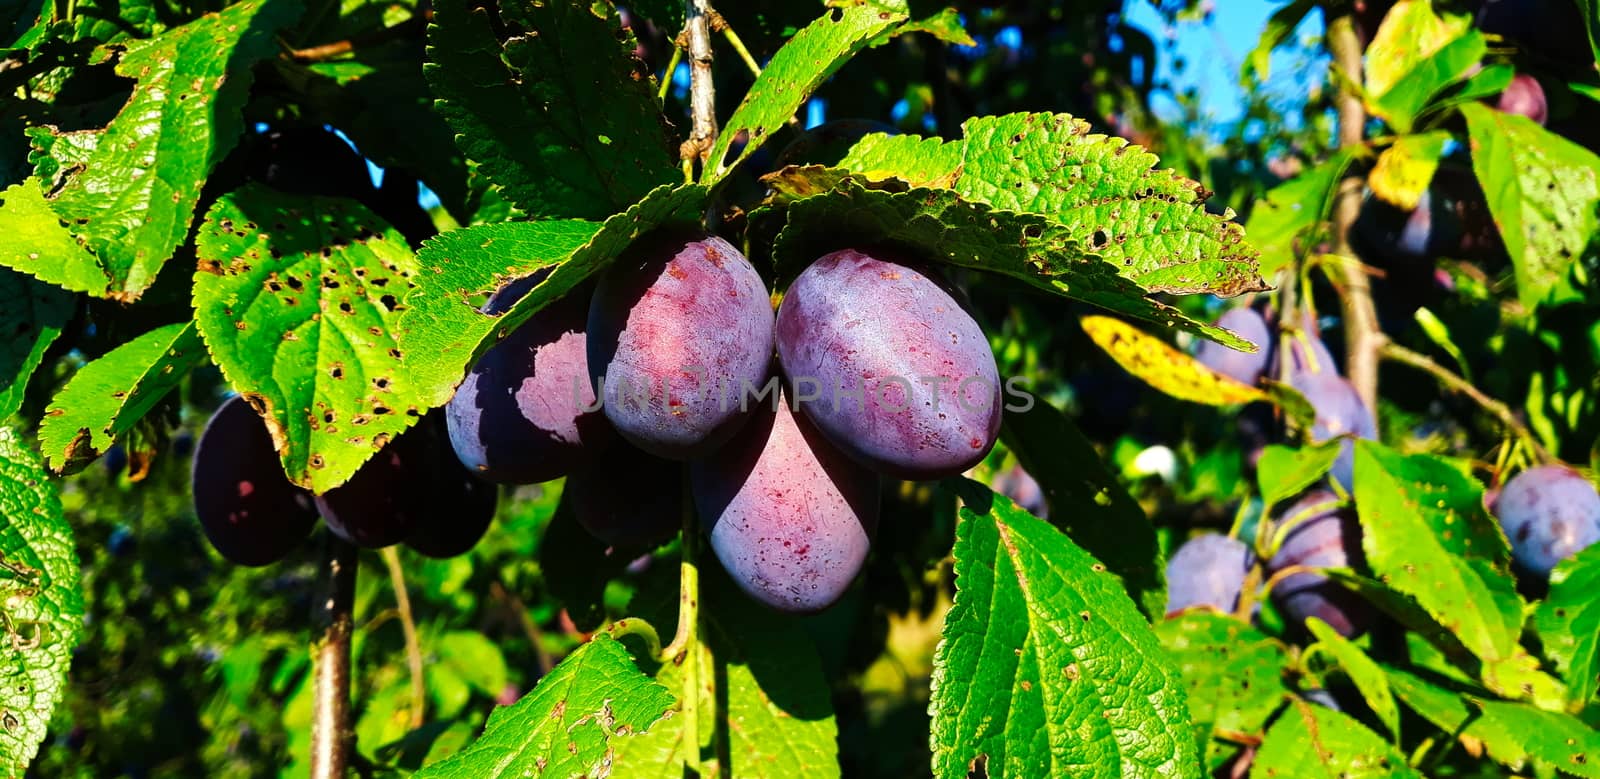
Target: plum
[[888, 365], [1524, 97], [1549, 513], [1321, 534], [789, 516], [458, 508], [1208, 570], [1339, 411], [1240, 366], [247, 507], [526, 413], [645, 514], [1017, 484], [680, 328]]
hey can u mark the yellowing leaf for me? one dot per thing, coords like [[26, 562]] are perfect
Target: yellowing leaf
[[1156, 363], [1411, 32], [1405, 169]]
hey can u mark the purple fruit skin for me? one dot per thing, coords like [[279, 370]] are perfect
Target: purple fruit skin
[[1240, 366], [1323, 536], [855, 320], [381, 504], [247, 507], [1310, 370], [1208, 570], [519, 417], [460, 507], [1549, 513], [628, 498], [1020, 486], [789, 516], [1525, 97], [672, 305]]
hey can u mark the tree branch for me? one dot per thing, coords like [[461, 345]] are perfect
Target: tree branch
[[1362, 336], [408, 624], [702, 93], [1393, 351], [330, 662]]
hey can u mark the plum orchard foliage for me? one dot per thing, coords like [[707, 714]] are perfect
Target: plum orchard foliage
[[130, 176]]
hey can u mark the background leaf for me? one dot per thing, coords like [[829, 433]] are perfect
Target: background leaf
[[1284, 472], [1310, 740], [32, 313], [1232, 672], [1164, 368], [1568, 622], [1045, 665], [1361, 671]]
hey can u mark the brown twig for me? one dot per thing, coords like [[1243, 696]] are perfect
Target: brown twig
[[1393, 351], [415, 26], [330, 662], [529, 628], [702, 92], [1362, 335], [408, 625]]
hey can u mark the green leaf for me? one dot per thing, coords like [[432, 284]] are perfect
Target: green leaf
[[568, 725], [443, 332], [1233, 673], [1405, 169], [1279, 27], [1542, 192], [1045, 666], [1554, 737], [106, 397], [811, 57], [1401, 105], [771, 694], [1288, 210], [1568, 622], [1409, 613], [940, 225], [43, 608], [1087, 501], [130, 190], [38, 242], [1410, 34], [474, 658], [297, 299], [1315, 741], [559, 113], [1148, 222], [1361, 671], [32, 314], [1284, 472], [1445, 708], [1426, 534]]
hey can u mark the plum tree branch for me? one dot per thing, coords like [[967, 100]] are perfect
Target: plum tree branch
[[1393, 351], [330, 662], [408, 625], [1363, 338], [702, 92]]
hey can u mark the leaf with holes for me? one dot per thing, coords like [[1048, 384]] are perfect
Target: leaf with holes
[[1156, 363], [106, 397], [568, 725], [128, 192], [1426, 534], [939, 225], [1045, 666], [1569, 622], [1553, 737], [43, 608], [557, 111], [811, 57], [1233, 674], [32, 314], [1542, 191], [442, 331], [1315, 741], [297, 299]]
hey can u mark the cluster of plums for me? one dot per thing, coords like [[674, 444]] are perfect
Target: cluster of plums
[[658, 387], [1548, 513]]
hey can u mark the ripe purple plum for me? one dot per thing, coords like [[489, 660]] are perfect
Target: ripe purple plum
[[1240, 366], [1321, 534], [1017, 484], [889, 366], [1525, 97], [789, 516], [679, 327], [1339, 412], [247, 507], [1549, 513], [458, 509], [526, 413], [642, 515], [1207, 570]]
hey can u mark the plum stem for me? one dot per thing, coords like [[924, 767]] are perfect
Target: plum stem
[[702, 92], [633, 626], [330, 662], [666, 78], [408, 625], [1397, 353], [685, 643], [719, 24], [1362, 335]]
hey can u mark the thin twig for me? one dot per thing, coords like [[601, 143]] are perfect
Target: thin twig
[[685, 649], [1362, 335], [666, 79], [330, 662], [1393, 351], [530, 628], [408, 625], [415, 26], [719, 24], [702, 93]]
